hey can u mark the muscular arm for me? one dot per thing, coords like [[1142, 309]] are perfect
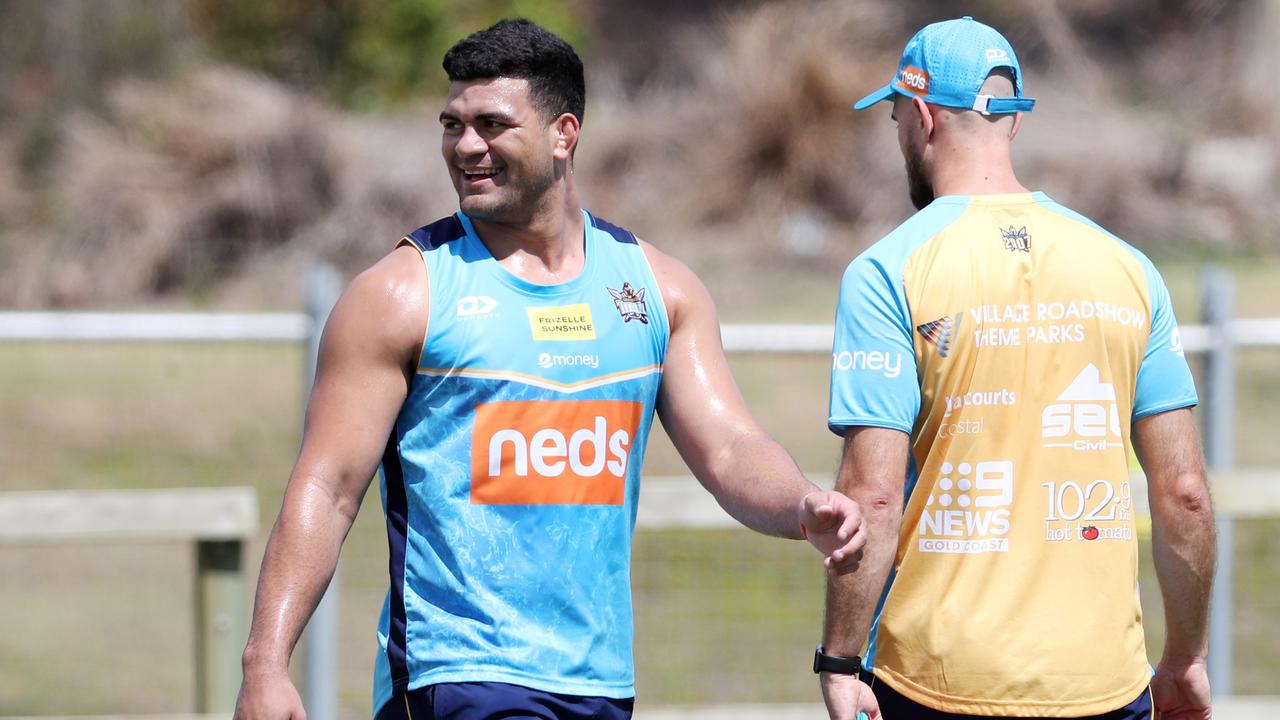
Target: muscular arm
[[367, 355], [872, 472], [1183, 545], [751, 476]]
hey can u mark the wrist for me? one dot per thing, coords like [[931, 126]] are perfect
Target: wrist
[[826, 664], [256, 661], [1182, 659]]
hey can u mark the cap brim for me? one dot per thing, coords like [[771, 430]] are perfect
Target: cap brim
[[883, 93]]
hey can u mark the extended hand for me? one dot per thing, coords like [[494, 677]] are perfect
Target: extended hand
[[833, 524], [1181, 691], [848, 698]]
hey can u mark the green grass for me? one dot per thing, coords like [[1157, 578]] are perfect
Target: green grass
[[721, 616]]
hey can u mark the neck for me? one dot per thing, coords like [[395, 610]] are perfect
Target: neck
[[547, 246], [974, 167]]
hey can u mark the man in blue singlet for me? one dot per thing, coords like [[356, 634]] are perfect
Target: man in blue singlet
[[503, 366]]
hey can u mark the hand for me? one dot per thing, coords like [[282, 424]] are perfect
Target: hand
[[1180, 691], [848, 698], [833, 524], [268, 696]]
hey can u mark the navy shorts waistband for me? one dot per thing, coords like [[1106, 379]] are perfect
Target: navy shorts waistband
[[491, 700]]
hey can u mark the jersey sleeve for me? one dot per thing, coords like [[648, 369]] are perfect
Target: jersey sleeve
[[1164, 379], [873, 365]]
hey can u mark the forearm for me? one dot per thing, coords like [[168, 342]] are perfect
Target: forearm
[[852, 597], [872, 473], [758, 484], [1183, 539], [300, 558], [1184, 550]]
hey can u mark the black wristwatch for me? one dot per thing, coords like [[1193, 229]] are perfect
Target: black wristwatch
[[823, 662]]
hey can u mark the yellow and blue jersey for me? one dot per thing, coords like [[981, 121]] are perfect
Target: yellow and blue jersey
[[511, 477], [1015, 341]]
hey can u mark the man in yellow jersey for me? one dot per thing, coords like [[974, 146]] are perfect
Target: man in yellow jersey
[[994, 356]]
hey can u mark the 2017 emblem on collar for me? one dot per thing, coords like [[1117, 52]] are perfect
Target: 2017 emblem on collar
[[630, 303]]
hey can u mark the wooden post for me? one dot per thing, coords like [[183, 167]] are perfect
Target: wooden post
[[218, 520], [221, 623]]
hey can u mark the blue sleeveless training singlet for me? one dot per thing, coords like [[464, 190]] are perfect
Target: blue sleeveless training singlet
[[510, 479]]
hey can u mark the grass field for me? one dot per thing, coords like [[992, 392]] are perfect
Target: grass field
[[723, 616]]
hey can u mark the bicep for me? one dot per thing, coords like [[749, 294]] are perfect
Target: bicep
[[362, 378], [699, 401], [873, 367], [1167, 445], [1164, 380]]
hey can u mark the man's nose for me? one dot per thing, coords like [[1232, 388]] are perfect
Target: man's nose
[[470, 142]]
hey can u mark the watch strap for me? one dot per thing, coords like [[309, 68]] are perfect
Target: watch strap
[[823, 662]]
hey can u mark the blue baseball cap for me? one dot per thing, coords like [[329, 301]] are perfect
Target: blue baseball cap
[[947, 62]]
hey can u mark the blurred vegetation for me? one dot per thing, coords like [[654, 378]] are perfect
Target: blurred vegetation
[[57, 55], [362, 54], [198, 151]]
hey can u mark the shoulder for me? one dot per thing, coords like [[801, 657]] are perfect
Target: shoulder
[[1106, 237], [398, 281], [437, 234], [682, 291], [892, 251], [385, 307], [617, 232], [1083, 221]]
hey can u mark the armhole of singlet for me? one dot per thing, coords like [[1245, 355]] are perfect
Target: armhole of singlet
[[662, 301], [426, 269]]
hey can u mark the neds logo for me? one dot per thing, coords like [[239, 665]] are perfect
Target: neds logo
[[552, 452], [914, 80]]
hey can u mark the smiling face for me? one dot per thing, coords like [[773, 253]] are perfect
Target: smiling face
[[500, 151]]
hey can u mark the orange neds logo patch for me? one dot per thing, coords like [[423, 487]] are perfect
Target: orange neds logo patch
[[914, 80], [552, 452]]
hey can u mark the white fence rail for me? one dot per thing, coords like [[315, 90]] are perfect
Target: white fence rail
[[297, 327], [133, 327]]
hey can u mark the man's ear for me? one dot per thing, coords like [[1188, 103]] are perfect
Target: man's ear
[[924, 117], [566, 131], [1017, 123]]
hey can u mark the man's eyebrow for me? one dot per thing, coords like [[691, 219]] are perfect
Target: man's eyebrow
[[499, 116]]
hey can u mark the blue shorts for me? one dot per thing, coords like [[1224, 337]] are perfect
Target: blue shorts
[[894, 705], [492, 701]]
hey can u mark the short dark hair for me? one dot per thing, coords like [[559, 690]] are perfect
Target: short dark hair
[[520, 48]]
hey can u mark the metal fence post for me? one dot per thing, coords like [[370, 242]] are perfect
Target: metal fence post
[[320, 682], [1217, 300]]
